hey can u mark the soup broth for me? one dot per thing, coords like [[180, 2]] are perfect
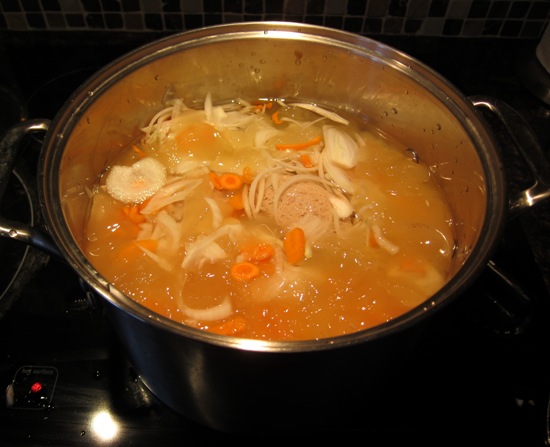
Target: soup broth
[[270, 220]]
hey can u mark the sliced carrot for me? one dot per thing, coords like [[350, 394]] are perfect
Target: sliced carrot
[[299, 146], [215, 179], [275, 117], [248, 176], [306, 161], [245, 271], [261, 106], [131, 249], [127, 251], [133, 213], [261, 252], [294, 245], [411, 265], [148, 244], [138, 151], [236, 201], [126, 228], [227, 181], [233, 326], [267, 268], [230, 181], [372, 240]]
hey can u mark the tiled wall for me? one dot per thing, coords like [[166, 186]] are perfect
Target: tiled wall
[[461, 18]]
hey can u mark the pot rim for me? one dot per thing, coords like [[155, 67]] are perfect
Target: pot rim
[[460, 106]]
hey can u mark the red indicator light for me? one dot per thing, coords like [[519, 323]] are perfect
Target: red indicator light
[[36, 387]]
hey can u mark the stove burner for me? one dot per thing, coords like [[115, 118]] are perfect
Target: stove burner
[[20, 204]]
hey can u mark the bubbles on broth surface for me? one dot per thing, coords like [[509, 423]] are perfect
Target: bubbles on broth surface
[[276, 221]]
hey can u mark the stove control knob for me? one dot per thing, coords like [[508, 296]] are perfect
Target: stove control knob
[[32, 387]]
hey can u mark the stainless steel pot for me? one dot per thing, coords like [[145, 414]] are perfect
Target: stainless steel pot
[[236, 384]]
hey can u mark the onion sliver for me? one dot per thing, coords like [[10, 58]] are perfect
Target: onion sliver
[[326, 113], [383, 242], [219, 312], [196, 249], [340, 148]]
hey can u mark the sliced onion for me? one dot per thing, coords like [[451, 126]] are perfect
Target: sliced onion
[[384, 242], [336, 174], [341, 206], [264, 134], [340, 148], [246, 202], [235, 119], [163, 263], [208, 106], [177, 108], [320, 111], [217, 216], [195, 251], [214, 252], [172, 192], [256, 186], [160, 117], [219, 312], [167, 231]]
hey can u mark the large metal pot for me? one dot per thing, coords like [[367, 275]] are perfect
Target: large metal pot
[[236, 384]]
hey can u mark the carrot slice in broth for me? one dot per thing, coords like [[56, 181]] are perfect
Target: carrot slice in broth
[[294, 245]]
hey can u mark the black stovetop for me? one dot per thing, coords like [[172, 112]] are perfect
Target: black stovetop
[[480, 373]]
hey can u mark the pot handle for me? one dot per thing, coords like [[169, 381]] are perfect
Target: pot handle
[[514, 308], [526, 142], [10, 146]]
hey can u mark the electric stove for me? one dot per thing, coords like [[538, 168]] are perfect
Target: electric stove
[[478, 374]]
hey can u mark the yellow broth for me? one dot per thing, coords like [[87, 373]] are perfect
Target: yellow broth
[[389, 255]]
